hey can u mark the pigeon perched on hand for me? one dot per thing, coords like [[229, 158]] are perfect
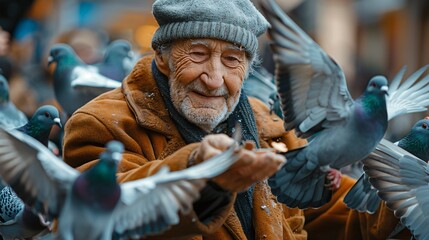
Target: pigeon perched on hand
[[10, 116], [402, 181], [76, 83], [363, 196], [92, 205], [317, 105], [118, 60]]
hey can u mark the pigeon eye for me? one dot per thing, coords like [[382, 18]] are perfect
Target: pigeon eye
[[424, 126], [373, 84], [47, 114]]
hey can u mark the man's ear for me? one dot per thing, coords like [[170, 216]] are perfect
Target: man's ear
[[162, 63]]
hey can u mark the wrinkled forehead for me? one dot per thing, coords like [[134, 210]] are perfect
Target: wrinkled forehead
[[211, 44]]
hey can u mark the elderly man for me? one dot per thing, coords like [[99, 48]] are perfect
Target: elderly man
[[178, 108]]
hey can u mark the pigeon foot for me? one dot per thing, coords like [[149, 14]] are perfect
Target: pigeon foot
[[333, 179]]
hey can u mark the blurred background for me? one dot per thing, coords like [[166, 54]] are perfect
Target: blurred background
[[365, 37]]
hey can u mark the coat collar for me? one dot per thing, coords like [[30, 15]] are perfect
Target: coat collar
[[145, 100]]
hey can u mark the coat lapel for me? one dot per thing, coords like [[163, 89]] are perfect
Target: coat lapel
[[145, 101]]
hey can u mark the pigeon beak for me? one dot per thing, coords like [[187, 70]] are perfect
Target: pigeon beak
[[58, 122], [50, 60], [385, 89]]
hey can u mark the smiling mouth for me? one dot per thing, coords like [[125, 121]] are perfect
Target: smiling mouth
[[207, 96]]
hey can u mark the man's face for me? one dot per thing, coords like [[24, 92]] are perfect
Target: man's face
[[205, 78]]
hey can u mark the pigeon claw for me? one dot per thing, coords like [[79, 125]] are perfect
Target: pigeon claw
[[333, 179]]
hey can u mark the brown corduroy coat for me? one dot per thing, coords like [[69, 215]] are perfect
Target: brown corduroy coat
[[136, 116]]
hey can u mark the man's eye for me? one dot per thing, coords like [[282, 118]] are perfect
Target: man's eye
[[231, 61], [198, 56]]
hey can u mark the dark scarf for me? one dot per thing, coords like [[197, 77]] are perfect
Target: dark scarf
[[191, 133]]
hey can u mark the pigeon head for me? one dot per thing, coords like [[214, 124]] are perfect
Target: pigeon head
[[105, 169], [46, 116], [62, 53], [114, 150], [417, 140], [40, 124], [4, 90], [377, 85], [118, 49]]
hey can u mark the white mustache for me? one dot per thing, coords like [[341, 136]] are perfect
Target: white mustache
[[196, 86]]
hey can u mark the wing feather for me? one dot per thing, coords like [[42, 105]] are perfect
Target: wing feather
[[402, 180], [312, 87], [410, 96], [37, 176]]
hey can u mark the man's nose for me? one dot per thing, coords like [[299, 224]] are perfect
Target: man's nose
[[214, 74]]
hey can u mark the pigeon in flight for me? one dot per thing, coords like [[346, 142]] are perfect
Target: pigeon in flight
[[10, 116], [76, 83], [402, 181], [363, 196], [92, 205], [317, 105], [118, 60], [21, 221]]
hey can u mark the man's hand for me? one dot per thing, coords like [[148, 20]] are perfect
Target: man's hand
[[250, 167]]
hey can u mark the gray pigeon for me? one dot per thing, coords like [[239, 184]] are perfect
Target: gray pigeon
[[25, 223], [92, 205], [118, 60], [363, 196], [10, 116], [76, 83], [402, 180], [317, 105], [41, 123]]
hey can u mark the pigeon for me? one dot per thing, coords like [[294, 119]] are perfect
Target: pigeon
[[10, 116], [402, 181], [41, 123], [25, 223], [363, 196], [118, 60], [76, 83], [317, 105], [92, 205]]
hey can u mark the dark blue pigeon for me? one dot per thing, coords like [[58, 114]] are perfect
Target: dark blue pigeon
[[402, 181], [10, 116], [92, 205], [363, 196], [76, 83], [317, 105], [118, 60]]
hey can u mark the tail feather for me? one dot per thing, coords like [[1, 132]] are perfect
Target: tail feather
[[310, 192], [362, 196]]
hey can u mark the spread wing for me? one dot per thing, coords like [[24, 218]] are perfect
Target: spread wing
[[37, 176], [410, 96], [311, 85], [152, 204], [402, 180]]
